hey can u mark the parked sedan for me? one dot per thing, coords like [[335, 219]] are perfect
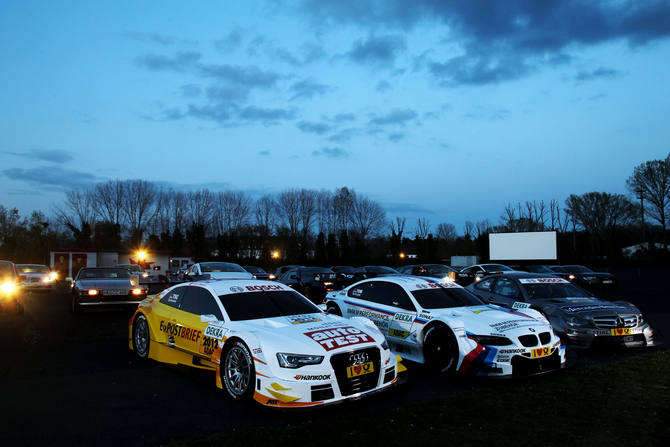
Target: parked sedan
[[428, 320], [216, 270], [373, 271], [312, 282], [587, 278], [11, 289], [478, 271], [436, 271], [263, 341], [578, 317], [38, 277], [259, 273], [105, 287]]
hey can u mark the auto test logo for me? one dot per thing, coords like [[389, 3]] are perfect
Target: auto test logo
[[338, 338]]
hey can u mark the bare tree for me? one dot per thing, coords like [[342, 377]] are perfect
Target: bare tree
[[231, 212], [199, 206], [446, 232], [108, 200], [265, 215], [288, 210], [343, 202], [308, 209], [422, 229], [139, 208], [651, 181], [77, 213], [368, 218]]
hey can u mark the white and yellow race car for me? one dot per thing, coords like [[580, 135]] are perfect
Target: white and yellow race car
[[264, 341]]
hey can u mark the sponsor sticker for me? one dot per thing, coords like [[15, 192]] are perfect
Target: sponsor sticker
[[302, 319], [330, 339], [319, 377], [519, 305], [359, 370], [398, 333], [576, 309], [620, 331], [540, 352], [542, 280]]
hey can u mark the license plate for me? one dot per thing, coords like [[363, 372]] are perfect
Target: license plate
[[540, 352], [620, 332], [607, 281], [359, 370], [115, 292]]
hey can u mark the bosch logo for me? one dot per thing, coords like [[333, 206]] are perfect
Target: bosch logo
[[236, 289], [358, 359]]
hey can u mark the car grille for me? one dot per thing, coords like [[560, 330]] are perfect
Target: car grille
[[530, 340], [522, 366], [615, 321], [360, 384]]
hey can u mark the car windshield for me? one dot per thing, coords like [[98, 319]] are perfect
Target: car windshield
[[344, 269], [261, 304], [539, 269], [133, 267], [219, 267], [310, 271], [553, 290], [577, 269], [497, 268], [444, 298], [380, 269], [32, 269], [437, 269], [116, 273], [251, 269]]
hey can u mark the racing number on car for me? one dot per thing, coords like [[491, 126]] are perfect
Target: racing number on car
[[209, 345], [540, 352]]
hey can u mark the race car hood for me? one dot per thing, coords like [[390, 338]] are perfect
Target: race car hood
[[581, 306], [316, 333], [487, 320]]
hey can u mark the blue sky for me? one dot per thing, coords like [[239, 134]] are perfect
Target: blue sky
[[443, 110]]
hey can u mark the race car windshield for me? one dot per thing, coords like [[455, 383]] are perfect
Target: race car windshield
[[261, 304], [548, 290], [444, 298]]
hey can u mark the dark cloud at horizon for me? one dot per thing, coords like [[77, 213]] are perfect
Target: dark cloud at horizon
[[54, 156]]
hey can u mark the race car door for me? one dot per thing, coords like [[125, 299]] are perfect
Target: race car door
[[387, 304], [190, 334]]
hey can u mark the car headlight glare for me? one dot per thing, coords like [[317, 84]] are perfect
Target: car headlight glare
[[138, 291], [7, 287], [297, 360], [576, 321], [492, 340], [91, 292]]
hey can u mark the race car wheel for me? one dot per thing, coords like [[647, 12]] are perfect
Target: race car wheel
[[334, 309], [238, 371], [141, 336], [307, 291], [440, 349], [75, 307]]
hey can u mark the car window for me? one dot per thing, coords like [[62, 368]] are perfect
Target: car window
[[506, 287], [265, 304], [383, 292], [6, 270], [553, 290], [486, 284], [200, 301], [445, 297], [174, 297]]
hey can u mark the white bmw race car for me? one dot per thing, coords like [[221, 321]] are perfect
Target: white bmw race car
[[427, 320], [264, 341]]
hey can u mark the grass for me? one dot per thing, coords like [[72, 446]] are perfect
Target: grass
[[626, 403]]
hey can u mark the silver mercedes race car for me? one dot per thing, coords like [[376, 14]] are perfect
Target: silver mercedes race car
[[578, 317]]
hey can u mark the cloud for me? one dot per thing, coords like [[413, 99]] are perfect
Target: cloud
[[54, 156], [307, 88], [180, 62], [153, 38], [396, 117], [597, 74], [378, 52], [502, 40], [317, 128], [266, 116], [230, 42], [52, 177], [250, 76], [343, 136], [332, 152], [396, 137]]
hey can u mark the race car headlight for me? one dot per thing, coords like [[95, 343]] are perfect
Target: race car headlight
[[576, 321], [640, 320], [7, 287], [297, 360], [492, 340]]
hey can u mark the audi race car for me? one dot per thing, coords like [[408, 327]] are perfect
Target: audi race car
[[433, 321], [580, 319], [264, 341]]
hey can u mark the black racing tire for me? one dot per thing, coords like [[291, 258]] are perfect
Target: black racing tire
[[75, 307], [334, 309], [440, 348], [307, 291], [141, 336], [237, 370]]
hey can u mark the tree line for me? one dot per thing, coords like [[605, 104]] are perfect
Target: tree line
[[325, 227]]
